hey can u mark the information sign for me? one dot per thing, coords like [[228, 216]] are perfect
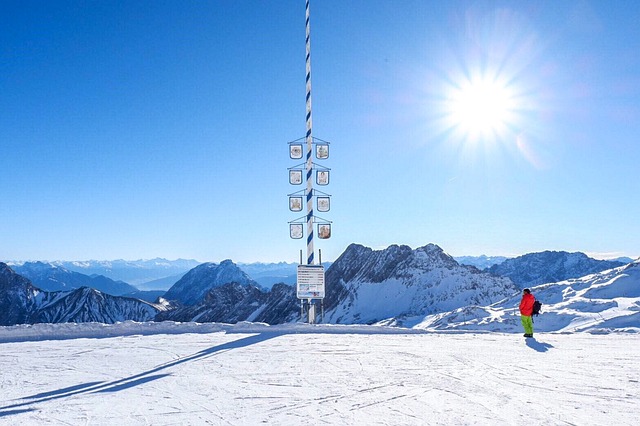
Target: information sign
[[310, 282]]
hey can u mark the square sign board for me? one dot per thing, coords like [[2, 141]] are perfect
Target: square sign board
[[310, 282]]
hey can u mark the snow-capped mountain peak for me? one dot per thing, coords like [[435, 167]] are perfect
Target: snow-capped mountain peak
[[193, 286], [366, 286]]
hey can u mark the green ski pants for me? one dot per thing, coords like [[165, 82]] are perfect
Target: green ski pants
[[527, 323]]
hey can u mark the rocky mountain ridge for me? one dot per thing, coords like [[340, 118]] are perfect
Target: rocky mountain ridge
[[367, 286], [549, 266], [23, 303], [391, 286]]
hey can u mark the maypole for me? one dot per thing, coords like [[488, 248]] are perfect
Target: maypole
[[309, 138], [310, 277]]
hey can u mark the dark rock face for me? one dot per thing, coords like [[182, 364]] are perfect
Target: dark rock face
[[89, 305], [280, 306], [233, 302], [17, 297]]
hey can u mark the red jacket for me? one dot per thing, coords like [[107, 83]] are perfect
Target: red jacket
[[526, 305]]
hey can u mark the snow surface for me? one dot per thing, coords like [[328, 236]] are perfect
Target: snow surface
[[248, 374]]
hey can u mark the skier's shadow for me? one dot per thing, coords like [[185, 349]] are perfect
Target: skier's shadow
[[538, 346]]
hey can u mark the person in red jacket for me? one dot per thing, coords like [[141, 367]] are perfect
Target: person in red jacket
[[526, 310]]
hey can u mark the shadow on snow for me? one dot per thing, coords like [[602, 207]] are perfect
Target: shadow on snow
[[131, 381], [538, 346]]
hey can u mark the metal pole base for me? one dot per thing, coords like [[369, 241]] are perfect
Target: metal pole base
[[312, 312]]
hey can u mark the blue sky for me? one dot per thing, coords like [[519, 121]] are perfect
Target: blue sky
[[141, 129]]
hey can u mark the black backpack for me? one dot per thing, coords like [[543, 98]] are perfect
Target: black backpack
[[536, 308]]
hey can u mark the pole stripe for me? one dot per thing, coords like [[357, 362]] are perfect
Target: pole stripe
[[309, 143]]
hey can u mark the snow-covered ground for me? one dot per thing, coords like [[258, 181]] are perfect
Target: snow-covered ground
[[249, 374], [598, 303]]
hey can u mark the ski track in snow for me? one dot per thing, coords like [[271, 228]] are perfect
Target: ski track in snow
[[291, 375]]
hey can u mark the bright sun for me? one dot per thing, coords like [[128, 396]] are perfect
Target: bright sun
[[479, 108]]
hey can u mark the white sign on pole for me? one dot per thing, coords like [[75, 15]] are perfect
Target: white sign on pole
[[322, 152], [295, 151], [295, 230], [310, 282]]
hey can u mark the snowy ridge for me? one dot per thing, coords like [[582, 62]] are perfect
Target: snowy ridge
[[596, 303], [89, 305], [399, 283], [549, 267]]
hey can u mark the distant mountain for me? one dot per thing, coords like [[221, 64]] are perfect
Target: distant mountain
[[50, 277], [608, 300], [549, 266], [234, 302], [131, 271], [162, 283], [367, 286], [623, 259], [481, 262], [192, 287], [23, 303], [89, 305], [268, 274]]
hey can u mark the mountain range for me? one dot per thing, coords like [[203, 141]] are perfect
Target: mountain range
[[225, 293], [134, 272], [50, 277], [160, 274], [395, 286], [549, 266], [23, 303], [363, 286]]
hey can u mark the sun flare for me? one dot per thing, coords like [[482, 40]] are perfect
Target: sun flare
[[480, 107]]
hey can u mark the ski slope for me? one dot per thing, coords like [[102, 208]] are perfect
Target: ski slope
[[250, 374]]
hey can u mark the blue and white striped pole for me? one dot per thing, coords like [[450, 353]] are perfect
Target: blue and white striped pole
[[309, 147]]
